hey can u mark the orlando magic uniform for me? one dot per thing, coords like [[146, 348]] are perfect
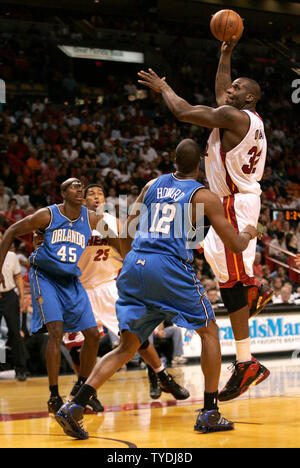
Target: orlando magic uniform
[[57, 293], [157, 281]]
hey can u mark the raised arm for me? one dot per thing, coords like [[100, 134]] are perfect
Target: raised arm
[[214, 210], [223, 76], [224, 117]]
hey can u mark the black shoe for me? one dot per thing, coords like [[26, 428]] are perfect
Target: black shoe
[[212, 421], [170, 386], [94, 406], [54, 404], [155, 390], [244, 375], [21, 375]]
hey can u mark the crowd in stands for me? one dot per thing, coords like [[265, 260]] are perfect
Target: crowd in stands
[[123, 142]]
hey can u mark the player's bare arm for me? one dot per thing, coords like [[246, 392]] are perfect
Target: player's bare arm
[[214, 210], [37, 221], [297, 260], [227, 117], [130, 227], [97, 222], [223, 76]]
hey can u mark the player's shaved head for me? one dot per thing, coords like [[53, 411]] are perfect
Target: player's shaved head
[[188, 156], [252, 87]]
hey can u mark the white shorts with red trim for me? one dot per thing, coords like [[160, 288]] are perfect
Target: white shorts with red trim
[[229, 268], [103, 301]]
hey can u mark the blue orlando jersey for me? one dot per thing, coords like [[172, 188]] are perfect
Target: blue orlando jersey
[[165, 224], [63, 244]]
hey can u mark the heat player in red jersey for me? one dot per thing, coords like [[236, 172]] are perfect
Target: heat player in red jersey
[[100, 265], [234, 164]]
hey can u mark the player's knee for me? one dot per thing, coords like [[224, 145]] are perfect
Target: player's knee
[[209, 332], [92, 336], [55, 331]]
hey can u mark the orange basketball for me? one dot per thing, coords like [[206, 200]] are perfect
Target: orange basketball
[[225, 24]]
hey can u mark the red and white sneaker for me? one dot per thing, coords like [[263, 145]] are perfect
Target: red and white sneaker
[[73, 339], [258, 297], [264, 372]]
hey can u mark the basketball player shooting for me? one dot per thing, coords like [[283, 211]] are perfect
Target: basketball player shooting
[[234, 163]]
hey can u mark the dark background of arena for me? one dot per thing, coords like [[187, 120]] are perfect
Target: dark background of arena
[[90, 119]]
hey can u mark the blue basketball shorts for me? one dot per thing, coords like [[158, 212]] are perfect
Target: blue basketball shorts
[[59, 299], [153, 288]]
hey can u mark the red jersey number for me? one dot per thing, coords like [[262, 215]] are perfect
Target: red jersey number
[[102, 254], [250, 168]]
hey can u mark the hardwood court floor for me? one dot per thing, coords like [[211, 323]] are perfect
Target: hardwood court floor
[[267, 416]]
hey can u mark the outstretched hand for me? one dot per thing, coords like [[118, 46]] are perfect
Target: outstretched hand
[[152, 80]]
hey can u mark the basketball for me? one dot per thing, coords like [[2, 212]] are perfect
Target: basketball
[[225, 24]]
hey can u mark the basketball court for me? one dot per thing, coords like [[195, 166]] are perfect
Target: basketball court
[[267, 416]]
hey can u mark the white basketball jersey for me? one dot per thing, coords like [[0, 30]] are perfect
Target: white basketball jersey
[[240, 169], [100, 262]]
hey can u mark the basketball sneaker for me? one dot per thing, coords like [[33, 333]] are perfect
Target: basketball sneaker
[[155, 390], [94, 406], [258, 297], [169, 385], [54, 404], [70, 418], [264, 372], [73, 339], [244, 375], [212, 421]]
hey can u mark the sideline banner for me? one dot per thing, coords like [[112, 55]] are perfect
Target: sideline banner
[[102, 54], [269, 334]]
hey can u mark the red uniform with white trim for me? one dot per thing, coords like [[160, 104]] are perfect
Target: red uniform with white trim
[[234, 176]]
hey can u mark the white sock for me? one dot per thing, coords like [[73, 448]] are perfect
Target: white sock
[[159, 369], [243, 352]]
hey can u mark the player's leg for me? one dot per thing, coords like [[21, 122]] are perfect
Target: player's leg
[[159, 378], [247, 370], [70, 416], [209, 418], [48, 316], [87, 360], [53, 360], [94, 406], [89, 352]]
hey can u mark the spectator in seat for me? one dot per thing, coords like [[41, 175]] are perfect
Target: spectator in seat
[[4, 198], [14, 214], [167, 330]]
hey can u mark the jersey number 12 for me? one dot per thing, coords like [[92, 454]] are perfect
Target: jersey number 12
[[163, 224]]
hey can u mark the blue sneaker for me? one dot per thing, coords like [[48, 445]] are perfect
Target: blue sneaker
[[212, 421], [70, 417]]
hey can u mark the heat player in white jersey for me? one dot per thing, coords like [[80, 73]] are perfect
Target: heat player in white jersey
[[234, 163], [100, 265]]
